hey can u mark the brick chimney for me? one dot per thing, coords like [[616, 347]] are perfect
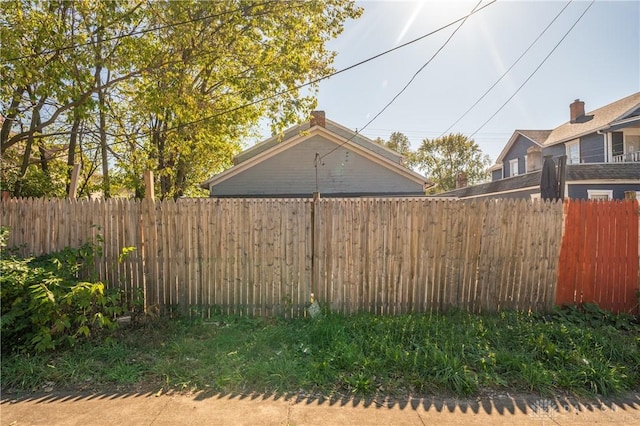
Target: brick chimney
[[317, 119], [577, 110], [461, 180]]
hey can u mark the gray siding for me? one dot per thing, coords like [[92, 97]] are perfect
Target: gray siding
[[292, 172], [299, 130], [555, 151], [496, 175], [366, 143], [579, 191], [518, 150], [592, 148]]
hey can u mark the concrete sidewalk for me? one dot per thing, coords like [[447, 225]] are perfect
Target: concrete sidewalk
[[201, 409]]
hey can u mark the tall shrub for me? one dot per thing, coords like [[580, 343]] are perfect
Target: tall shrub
[[45, 303]]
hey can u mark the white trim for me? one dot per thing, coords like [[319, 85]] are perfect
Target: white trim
[[572, 137], [272, 138], [608, 146], [303, 128], [511, 164], [512, 140], [600, 192], [619, 122], [328, 136], [570, 144], [604, 181], [625, 135], [489, 194]]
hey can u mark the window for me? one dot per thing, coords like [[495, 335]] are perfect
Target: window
[[573, 151], [513, 167], [600, 194], [632, 148]]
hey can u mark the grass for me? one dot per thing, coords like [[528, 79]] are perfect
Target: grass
[[359, 355]]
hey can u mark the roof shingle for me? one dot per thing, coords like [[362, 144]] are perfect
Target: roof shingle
[[600, 119]]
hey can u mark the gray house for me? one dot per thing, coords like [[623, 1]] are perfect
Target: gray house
[[318, 156], [602, 149]]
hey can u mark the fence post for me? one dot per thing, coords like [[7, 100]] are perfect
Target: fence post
[[314, 241], [148, 249], [149, 193]]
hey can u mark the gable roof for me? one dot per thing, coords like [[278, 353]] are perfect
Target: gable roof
[[363, 147], [300, 129], [536, 136], [600, 119]]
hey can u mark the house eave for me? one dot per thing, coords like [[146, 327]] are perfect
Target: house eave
[[512, 140], [328, 135]]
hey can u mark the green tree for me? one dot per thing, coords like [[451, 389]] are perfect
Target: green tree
[[57, 67], [223, 69], [164, 85], [443, 159], [400, 143]]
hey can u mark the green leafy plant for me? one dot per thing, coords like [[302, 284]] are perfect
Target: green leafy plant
[[357, 355], [47, 303], [591, 315]]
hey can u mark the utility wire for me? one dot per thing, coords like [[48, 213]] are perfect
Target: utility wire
[[507, 71], [309, 83], [463, 20], [135, 33], [534, 71], [333, 74]]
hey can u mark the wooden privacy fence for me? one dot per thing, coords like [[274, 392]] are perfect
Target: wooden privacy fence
[[265, 256], [401, 255], [599, 255]]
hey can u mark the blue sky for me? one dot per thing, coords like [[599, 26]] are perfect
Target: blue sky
[[598, 62]]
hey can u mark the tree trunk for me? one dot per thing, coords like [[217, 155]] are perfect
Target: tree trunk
[[35, 122], [106, 184], [73, 143], [44, 165], [181, 178], [10, 115]]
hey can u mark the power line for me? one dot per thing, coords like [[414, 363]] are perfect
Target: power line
[[317, 80], [309, 83], [336, 72], [507, 71], [463, 20], [534, 71], [135, 33]]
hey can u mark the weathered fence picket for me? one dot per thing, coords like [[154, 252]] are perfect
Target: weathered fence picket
[[381, 255]]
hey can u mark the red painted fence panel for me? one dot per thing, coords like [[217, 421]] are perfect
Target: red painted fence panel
[[599, 255]]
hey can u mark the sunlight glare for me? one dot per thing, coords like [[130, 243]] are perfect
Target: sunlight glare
[[407, 25]]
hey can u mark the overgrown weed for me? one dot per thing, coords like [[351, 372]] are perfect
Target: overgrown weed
[[359, 355]]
